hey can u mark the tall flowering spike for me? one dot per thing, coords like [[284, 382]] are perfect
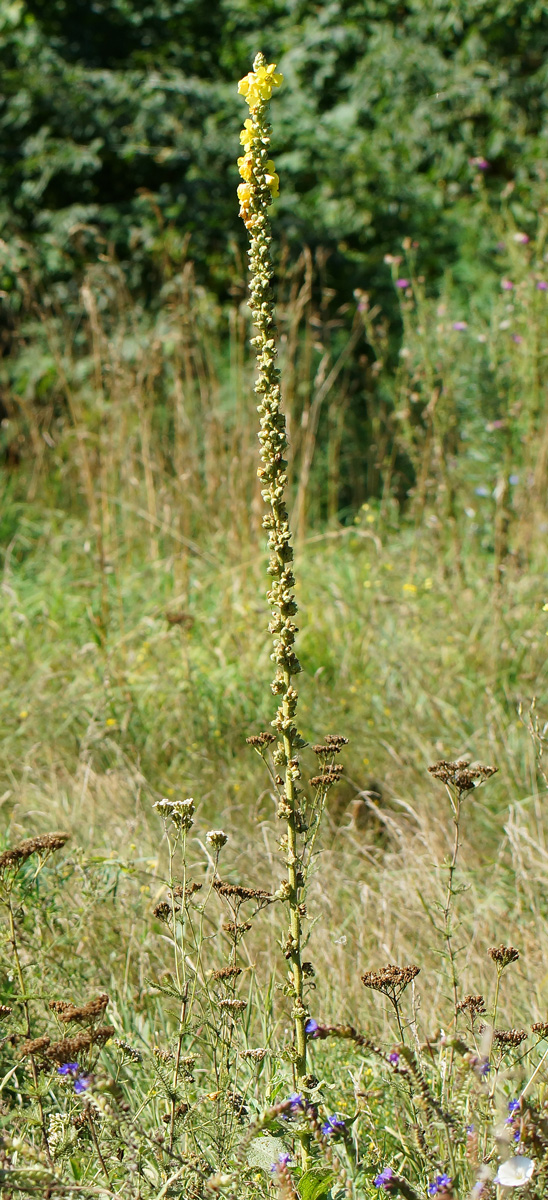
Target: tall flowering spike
[[260, 185]]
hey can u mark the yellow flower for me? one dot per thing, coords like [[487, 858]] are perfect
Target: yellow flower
[[247, 136], [257, 85], [272, 179], [245, 167], [410, 587], [110, 721]]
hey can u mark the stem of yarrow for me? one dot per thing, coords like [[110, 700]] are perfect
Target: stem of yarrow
[[260, 185]]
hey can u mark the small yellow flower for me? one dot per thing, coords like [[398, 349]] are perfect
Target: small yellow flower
[[427, 585], [23, 714], [110, 721], [245, 167], [545, 608], [272, 179], [248, 134], [410, 587], [257, 85]]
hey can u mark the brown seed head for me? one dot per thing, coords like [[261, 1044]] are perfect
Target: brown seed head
[[254, 1055], [474, 1005], [227, 973], [503, 955], [235, 1006], [390, 980], [461, 775], [261, 739], [509, 1037], [46, 843], [5, 1011], [237, 892], [328, 777], [162, 911], [35, 1046], [540, 1027], [87, 1013]]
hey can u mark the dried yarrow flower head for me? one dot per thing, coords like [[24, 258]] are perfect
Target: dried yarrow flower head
[[257, 1055], [540, 1027], [390, 980], [461, 775], [235, 893], [330, 775], [87, 1013], [473, 1005], [226, 973], [509, 1037], [503, 955], [260, 740], [45, 845], [163, 911]]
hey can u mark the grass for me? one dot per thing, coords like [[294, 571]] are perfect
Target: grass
[[409, 669]]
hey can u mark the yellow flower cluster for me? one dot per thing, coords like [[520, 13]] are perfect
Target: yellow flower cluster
[[257, 85], [257, 88]]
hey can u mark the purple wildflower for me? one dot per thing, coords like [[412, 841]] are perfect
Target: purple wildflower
[[402, 283], [312, 1028], [333, 1125], [81, 1083], [68, 1069], [513, 1106], [481, 491], [460, 325], [384, 1179], [481, 163], [484, 1068], [439, 1184], [542, 285], [506, 285], [283, 1159], [295, 1104], [513, 480], [517, 338], [521, 238], [394, 1057]]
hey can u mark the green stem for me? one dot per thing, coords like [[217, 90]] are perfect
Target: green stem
[[26, 1010]]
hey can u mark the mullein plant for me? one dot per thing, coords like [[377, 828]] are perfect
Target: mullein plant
[[260, 185]]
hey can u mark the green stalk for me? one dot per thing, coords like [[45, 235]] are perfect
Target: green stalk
[[255, 194]]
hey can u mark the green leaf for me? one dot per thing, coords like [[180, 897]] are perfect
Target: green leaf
[[264, 1151], [315, 1183]]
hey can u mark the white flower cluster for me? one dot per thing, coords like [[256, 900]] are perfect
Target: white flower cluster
[[180, 812]]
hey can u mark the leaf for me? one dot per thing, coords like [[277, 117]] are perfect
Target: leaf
[[315, 1183], [264, 1151]]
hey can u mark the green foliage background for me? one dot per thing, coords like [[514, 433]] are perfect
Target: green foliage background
[[119, 120]]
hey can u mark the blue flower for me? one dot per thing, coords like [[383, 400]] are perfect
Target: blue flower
[[295, 1104], [439, 1184], [312, 1029], [283, 1159], [384, 1179], [394, 1057], [513, 1106], [81, 1083], [332, 1125]]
